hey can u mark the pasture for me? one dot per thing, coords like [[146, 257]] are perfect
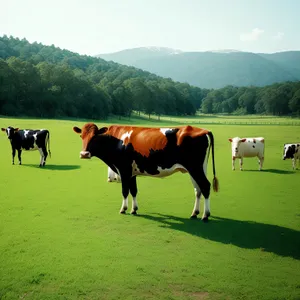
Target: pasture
[[62, 237]]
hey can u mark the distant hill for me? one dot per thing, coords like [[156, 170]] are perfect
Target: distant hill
[[213, 69]]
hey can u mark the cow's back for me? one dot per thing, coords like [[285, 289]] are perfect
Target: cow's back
[[252, 147]]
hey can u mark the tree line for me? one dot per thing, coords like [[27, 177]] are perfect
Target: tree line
[[46, 81]]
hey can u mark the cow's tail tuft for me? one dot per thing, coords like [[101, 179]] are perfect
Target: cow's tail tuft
[[215, 180], [49, 144]]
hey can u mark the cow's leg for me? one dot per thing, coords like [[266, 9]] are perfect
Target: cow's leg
[[42, 157], [293, 163], [19, 156], [196, 209], [125, 192], [13, 155], [133, 192], [241, 163], [45, 154], [204, 185], [233, 163], [261, 162]]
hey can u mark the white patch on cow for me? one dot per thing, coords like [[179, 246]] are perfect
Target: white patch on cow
[[134, 204], [247, 147], [26, 133], [35, 136], [8, 131], [112, 176], [164, 130], [126, 135], [162, 172]]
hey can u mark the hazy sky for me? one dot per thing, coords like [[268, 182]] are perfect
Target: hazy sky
[[102, 26]]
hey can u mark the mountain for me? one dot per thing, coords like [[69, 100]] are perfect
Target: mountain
[[213, 69], [131, 56]]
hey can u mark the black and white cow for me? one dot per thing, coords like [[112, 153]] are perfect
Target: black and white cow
[[132, 151], [292, 151], [28, 140]]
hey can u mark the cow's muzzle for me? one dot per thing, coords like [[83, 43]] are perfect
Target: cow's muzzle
[[85, 154], [284, 158]]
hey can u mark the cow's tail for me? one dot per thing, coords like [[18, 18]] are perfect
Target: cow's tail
[[48, 135], [215, 180]]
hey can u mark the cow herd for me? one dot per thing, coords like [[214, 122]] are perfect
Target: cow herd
[[131, 151]]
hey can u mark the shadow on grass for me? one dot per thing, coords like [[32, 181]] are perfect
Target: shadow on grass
[[54, 167], [275, 171], [245, 234]]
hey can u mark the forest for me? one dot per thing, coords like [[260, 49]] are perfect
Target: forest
[[49, 82]]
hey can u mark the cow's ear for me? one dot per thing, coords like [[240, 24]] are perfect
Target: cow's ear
[[243, 140], [76, 129], [102, 130], [262, 140], [3, 129], [16, 129], [230, 140]]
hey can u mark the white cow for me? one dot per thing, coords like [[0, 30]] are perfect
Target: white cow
[[247, 147], [292, 151], [112, 176]]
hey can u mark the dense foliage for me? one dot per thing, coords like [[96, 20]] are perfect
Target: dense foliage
[[45, 81]]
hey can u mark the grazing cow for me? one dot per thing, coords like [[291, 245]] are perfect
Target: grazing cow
[[247, 147], [292, 151], [28, 140], [112, 176], [131, 151]]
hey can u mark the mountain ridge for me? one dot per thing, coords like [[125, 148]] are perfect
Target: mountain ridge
[[215, 68]]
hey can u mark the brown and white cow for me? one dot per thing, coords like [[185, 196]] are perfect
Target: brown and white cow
[[247, 147], [135, 151], [292, 151]]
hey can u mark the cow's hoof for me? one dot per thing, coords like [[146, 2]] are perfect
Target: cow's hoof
[[205, 219], [133, 212], [193, 217], [197, 212]]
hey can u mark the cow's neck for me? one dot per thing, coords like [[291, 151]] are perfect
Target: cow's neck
[[105, 147]]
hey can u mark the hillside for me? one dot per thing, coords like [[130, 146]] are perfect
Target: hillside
[[213, 69]]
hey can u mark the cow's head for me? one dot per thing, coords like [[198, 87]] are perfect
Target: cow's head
[[10, 131], [87, 133], [289, 150], [235, 144]]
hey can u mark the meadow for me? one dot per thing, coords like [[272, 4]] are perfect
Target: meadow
[[62, 237]]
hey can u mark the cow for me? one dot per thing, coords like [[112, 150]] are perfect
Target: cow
[[112, 176], [247, 147], [292, 151], [28, 140], [140, 151]]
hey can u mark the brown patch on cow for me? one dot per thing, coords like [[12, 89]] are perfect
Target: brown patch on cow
[[87, 132], [189, 131], [142, 139]]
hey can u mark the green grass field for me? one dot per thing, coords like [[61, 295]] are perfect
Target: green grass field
[[62, 237]]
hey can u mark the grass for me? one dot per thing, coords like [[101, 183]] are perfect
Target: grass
[[61, 236]]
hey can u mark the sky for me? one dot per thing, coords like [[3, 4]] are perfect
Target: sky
[[104, 26]]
